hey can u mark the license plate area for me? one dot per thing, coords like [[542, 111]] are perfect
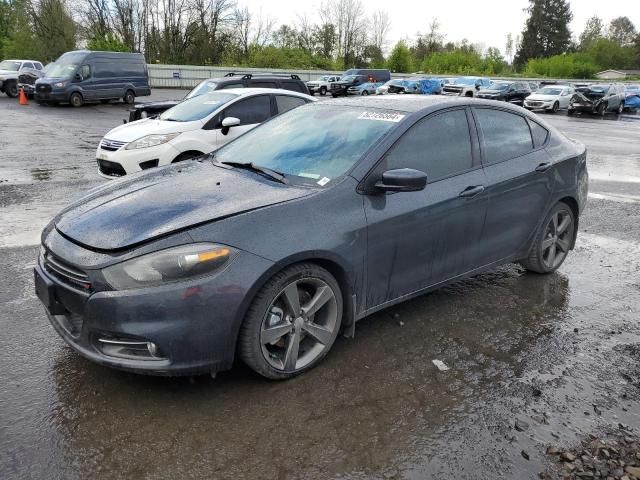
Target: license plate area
[[46, 292]]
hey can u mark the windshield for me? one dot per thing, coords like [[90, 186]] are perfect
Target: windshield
[[499, 86], [323, 79], [316, 142], [550, 91], [197, 108], [202, 88], [10, 65], [348, 78], [465, 81], [61, 70], [599, 88]]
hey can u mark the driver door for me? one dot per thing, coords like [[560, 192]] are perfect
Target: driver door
[[419, 239]]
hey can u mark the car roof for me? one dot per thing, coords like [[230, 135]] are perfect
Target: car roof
[[411, 103], [243, 92], [16, 60]]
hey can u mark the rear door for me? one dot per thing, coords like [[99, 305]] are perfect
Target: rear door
[[520, 180], [251, 111], [419, 239]]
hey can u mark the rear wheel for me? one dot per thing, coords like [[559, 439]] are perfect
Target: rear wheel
[[292, 323], [129, 97], [76, 99], [620, 108], [553, 241], [570, 112]]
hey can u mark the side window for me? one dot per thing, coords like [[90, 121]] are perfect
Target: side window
[[505, 135], [293, 86], [439, 146], [262, 84], [85, 71], [286, 103], [38, 66], [250, 110], [27, 65], [231, 85], [539, 133]]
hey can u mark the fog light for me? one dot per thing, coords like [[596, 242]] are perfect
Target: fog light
[[153, 349]]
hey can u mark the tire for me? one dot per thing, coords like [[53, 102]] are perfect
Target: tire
[[555, 108], [76, 99], [323, 91], [11, 89], [620, 108], [186, 156], [553, 236], [334, 95], [570, 112], [129, 97], [291, 348], [365, 93], [602, 109]]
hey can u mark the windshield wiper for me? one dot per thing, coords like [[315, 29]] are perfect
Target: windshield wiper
[[272, 174]]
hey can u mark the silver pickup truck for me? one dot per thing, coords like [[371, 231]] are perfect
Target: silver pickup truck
[[322, 84], [10, 70]]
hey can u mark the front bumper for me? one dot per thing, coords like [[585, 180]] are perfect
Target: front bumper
[[130, 161], [539, 104], [51, 96], [192, 324]]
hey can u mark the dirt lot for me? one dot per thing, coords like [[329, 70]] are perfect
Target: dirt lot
[[535, 361]]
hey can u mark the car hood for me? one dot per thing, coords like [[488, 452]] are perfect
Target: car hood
[[129, 132], [140, 208], [8, 73], [541, 97]]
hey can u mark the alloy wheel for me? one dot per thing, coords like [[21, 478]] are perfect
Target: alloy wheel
[[299, 325], [557, 238]]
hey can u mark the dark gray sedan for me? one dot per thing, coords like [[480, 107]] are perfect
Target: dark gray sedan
[[283, 238]]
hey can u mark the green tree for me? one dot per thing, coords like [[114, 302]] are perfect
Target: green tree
[[593, 30], [571, 65], [546, 31], [400, 58], [20, 41], [107, 43], [607, 53], [622, 31], [54, 28], [493, 62]]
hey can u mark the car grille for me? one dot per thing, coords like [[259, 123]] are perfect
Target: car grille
[[111, 169], [531, 103], [43, 88], [111, 145], [66, 273], [452, 90]]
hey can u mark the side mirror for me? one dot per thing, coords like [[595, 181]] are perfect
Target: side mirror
[[229, 122], [78, 77], [402, 180]]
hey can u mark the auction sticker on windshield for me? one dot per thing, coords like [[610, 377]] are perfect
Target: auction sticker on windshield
[[383, 116]]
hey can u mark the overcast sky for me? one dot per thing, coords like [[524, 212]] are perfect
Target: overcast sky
[[486, 22]]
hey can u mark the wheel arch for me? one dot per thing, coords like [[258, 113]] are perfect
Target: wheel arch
[[327, 260], [573, 204], [196, 153]]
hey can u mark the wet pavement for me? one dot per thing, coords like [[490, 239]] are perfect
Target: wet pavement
[[559, 355]]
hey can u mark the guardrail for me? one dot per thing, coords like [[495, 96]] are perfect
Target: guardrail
[[188, 76]]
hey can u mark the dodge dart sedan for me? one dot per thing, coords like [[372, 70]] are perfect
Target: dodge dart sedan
[[270, 247]]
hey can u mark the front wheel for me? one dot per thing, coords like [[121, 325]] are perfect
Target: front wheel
[[620, 108], [364, 93], [76, 99], [570, 112], [602, 109], [11, 89], [292, 323], [553, 241], [129, 97], [323, 91], [555, 108]]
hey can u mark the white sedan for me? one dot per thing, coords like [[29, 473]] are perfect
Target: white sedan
[[192, 128], [551, 98]]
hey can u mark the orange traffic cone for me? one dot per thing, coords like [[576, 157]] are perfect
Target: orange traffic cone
[[22, 97]]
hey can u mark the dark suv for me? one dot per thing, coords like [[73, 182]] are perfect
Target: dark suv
[[230, 80], [513, 92], [598, 99]]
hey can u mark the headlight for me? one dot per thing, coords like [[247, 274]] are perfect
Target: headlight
[[60, 85], [170, 265], [151, 141]]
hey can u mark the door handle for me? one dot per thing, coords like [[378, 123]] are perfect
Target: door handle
[[472, 191], [543, 167]]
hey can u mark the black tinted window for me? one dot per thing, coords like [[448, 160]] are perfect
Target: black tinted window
[[539, 133], [262, 84], [38, 66], [231, 85], [438, 146], [505, 135], [131, 69], [27, 65], [286, 103], [250, 110], [293, 86], [85, 71]]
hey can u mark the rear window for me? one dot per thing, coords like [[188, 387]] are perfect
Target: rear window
[[539, 133], [293, 86], [263, 84], [505, 135]]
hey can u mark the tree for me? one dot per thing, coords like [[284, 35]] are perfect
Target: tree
[[593, 30], [546, 31], [622, 31], [400, 58], [107, 43], [54, 29], [380, 25], [508, 48]]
